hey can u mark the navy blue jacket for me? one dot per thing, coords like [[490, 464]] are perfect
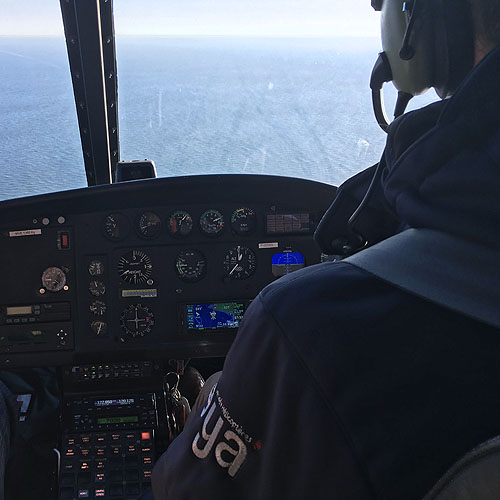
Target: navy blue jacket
[[340, 385]]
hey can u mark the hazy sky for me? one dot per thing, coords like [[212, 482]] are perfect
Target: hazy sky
[[205, 17]]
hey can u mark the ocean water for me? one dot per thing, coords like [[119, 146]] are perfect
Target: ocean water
[[297, 107]]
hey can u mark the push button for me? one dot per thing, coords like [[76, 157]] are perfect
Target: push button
[[116, 475], [67, 479], [116, 490], [131, 475], [131, 460], [100, 477], [132, 489], [116, 460], [100, 464], [66, 494], [83, 477], [100, 451]]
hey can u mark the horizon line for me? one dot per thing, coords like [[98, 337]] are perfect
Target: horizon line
[[197, 35]]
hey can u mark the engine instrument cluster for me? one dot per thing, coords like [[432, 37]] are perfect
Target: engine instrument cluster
[[156, 268]]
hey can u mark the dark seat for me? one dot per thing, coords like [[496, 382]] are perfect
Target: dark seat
[[475, 477]]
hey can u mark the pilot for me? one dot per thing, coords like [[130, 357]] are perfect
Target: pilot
[[341, 384]]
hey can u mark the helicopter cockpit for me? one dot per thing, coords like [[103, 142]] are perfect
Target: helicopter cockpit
[[120, 285]]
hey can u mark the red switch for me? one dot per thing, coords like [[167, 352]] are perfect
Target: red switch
[[65, 241]]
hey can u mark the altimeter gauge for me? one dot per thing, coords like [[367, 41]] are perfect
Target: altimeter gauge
[[239, 263], [53, 279], [135, 267], [137, 320], [190, 265]]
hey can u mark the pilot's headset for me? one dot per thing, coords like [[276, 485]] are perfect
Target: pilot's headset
[[426, 43]]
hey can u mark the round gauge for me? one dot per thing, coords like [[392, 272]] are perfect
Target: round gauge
[[97, 288], [239, 263], [97, 307], [99, 327], [190, 265], [135, 267], [243, 221], [96, 268], [136, 320], [286, 262], [116, 227], [212, 222], [180, 223], [149, 225], [53, 279]]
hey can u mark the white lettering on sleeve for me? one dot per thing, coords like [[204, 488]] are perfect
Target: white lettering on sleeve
[[210, 438], [240, 453]]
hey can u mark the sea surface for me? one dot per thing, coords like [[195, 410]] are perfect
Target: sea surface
[[296, 107]]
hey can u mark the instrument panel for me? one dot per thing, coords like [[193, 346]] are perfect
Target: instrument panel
[[147, 269]]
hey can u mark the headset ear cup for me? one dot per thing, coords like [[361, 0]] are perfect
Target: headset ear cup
[[454, 44]]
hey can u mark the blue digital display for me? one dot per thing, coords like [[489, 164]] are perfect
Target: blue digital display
[[287, 259], [214, 316], [286, 262]]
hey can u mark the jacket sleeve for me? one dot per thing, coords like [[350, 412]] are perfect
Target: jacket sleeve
[[264, 433]]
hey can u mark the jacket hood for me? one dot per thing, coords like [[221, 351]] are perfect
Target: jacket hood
[[448, 179]]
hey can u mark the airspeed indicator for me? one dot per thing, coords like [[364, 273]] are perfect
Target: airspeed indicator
[[190, 265]]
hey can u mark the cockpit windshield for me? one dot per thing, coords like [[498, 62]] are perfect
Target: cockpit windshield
[[219, 86]]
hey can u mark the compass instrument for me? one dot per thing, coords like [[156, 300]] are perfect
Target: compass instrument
[[137, 320]]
